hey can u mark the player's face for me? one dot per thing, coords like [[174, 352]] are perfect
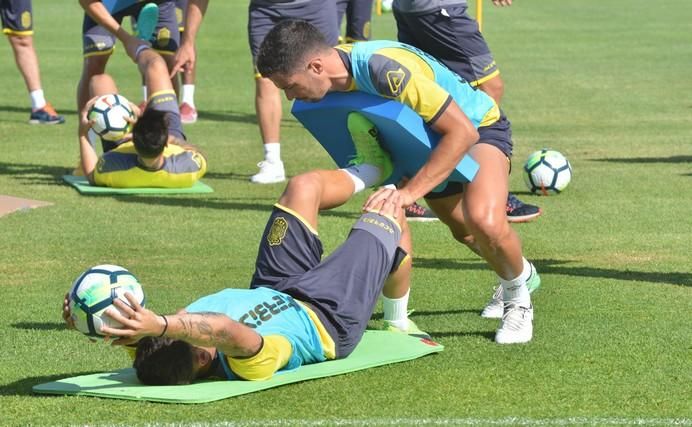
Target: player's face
[[305, 85]]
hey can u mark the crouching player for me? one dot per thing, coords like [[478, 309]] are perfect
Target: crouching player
[[157, 155]]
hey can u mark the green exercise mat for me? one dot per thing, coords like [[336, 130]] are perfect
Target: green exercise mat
[[83, 186], [377, 348]]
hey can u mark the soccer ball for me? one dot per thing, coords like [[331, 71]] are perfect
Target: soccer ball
[[547, 172], [94, 291], [387, 5], [109, 113]]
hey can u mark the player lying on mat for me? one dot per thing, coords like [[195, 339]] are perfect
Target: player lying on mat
[[298, 310], [157, 154]]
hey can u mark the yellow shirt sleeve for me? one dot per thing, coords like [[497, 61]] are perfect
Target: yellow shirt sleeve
[[275, 353]]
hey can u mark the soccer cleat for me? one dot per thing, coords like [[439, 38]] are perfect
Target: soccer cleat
[[46, 116], [188, 113], [516, 326], [368, 150], [269, 173], [495, 308], [412, 330], [518, 211], [419, 213], [147, 20]]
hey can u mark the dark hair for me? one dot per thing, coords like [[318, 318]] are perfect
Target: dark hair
[[150, 133], [164, 361], [286, 45]]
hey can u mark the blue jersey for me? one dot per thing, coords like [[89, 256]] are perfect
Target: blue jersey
[[269, 312], [414, 78]]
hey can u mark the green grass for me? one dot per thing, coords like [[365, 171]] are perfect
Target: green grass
[[606, 83]]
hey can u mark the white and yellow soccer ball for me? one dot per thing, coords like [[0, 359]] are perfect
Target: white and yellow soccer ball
[[109, 114], [547, 172], [94, 291]]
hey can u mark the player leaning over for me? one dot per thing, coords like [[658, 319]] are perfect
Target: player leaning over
[[297, 59], [157, 156]]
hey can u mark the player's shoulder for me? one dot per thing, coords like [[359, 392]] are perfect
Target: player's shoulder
[[388, 75]]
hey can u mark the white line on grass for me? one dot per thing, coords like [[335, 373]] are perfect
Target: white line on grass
[[507, 421]]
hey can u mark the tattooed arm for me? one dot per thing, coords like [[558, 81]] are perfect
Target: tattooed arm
[[200, 329]]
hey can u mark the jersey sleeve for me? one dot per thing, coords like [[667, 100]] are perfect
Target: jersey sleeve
[[394, 80], [275, 354]]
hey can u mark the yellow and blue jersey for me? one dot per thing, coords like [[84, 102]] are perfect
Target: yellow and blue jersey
[[120, 168], [290, 331], [406, 74]]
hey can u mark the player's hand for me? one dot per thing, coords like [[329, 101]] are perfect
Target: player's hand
[[184, 58], [66, 312], [138, 322], [135, 109], [388, 199], [502, 2], [84, 123]]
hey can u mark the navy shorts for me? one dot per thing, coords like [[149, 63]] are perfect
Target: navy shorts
[[262, 18], [452, 36], [17, 18], [358, 14], [499, 135], [343, 289], [166, 39]]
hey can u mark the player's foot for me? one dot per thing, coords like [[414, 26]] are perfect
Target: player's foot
[[495, 308], [46, 116], [419, 213], [412, 330], [518, 211], [146, 21], [269, 173], [365, 138], [188, 113], [516, 326]]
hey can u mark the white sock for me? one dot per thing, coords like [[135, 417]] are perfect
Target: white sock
[[37, 99], [396, 311], [272, 152], [515, 290], [363, 175], [188, 95], [144, 93]]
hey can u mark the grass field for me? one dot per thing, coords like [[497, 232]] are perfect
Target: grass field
[[605, 82]]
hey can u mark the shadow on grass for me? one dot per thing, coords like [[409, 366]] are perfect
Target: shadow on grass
[[23, 386], [553, 266], [489, 335], [239, 117], [33, 174], [27, 110], [671, 159], [42, 326]]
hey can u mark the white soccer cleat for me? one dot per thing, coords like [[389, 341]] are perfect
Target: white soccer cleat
[[270, 173], [516, 326], [495, 308]]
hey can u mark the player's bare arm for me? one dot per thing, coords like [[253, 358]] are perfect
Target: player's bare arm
[[87, 155], [457, 137], [201, 329], [186, 55]]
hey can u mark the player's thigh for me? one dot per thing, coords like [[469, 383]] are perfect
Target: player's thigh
[[485, 198]]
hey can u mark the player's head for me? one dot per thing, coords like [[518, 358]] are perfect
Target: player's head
[[150, 133], [165, 361], [292, 56]]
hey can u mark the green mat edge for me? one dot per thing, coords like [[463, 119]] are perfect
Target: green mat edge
[[83, 186], [276, 381]]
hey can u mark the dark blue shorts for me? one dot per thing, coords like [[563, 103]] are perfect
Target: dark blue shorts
[[343, 289], [452, 36], [17, 17], [166, 39], [321, 14], [358, 14], [499, 135]]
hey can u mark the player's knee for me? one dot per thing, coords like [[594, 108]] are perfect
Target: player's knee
[[300, 187], [487, 227]]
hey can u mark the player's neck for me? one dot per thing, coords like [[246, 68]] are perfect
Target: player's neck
[[337, 72], [154, 163]]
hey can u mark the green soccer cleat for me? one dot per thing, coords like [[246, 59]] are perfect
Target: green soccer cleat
[[147, 20], [368, 150], [412, 330]]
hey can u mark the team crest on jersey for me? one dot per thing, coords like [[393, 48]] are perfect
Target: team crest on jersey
[[278, 231], [26, 19], [396, 79]]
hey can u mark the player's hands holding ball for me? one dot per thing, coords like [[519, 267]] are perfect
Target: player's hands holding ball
[[137, 323]]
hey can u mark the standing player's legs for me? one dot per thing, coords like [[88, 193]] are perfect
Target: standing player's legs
[[267, 96], [17, 24], [166, 38], [358, 15], [97, 47], [188, 109]]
